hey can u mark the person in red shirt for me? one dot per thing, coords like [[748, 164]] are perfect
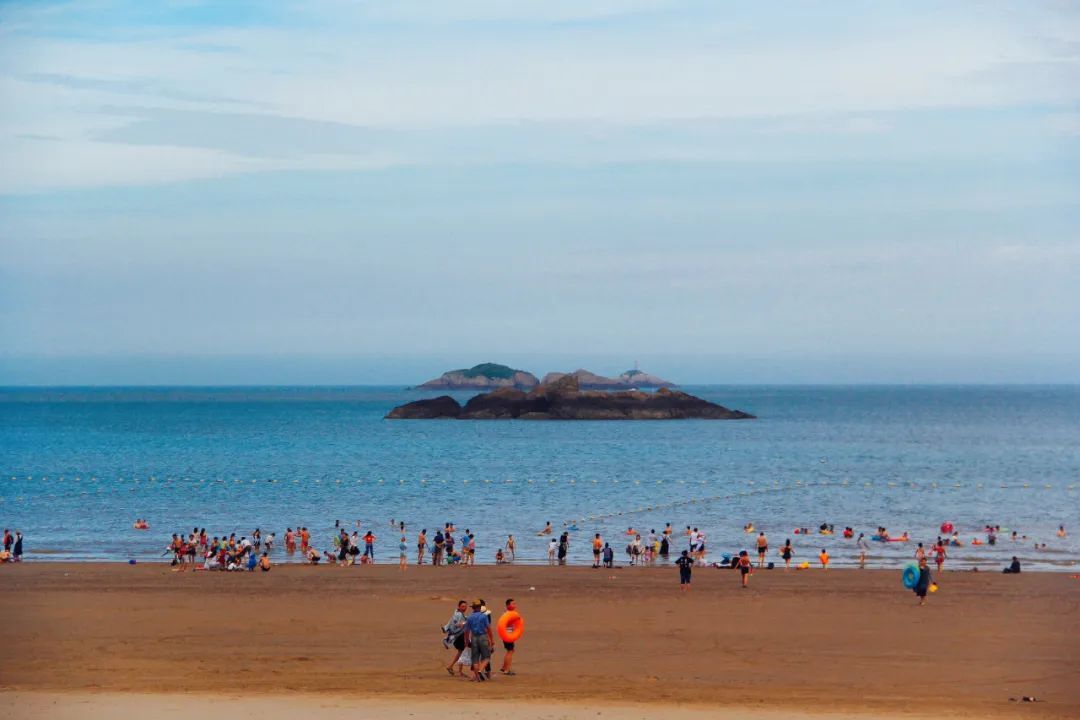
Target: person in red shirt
[[369, 546]]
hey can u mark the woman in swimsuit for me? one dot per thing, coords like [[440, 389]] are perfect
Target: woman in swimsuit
[[786, 552]]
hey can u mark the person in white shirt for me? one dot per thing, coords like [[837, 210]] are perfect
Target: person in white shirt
[[553, 547]]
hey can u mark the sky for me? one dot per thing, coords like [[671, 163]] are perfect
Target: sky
[[361, 192]]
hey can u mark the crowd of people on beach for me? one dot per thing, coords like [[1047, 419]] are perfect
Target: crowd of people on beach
[[448, 547]]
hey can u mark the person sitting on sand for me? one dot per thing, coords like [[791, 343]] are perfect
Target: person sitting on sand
[[264, 562], [1014, 567]]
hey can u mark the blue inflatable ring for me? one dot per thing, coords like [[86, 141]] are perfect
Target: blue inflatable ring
[[910, 577]]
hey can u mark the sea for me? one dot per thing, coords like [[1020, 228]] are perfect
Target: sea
[[79, 465]]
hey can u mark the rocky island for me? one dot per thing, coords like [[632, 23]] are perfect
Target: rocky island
[[564, 399], [634, 378], [485, 376]]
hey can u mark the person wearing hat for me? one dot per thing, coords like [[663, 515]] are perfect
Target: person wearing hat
[[479, 638]]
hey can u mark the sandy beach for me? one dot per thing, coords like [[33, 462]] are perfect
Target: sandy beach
[[846, 642]]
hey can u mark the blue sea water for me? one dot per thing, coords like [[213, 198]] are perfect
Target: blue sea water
[[78, 465]]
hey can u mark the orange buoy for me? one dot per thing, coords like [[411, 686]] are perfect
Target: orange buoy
[[511, 626]]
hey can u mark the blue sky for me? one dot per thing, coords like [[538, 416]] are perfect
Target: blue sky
[[369, 191]]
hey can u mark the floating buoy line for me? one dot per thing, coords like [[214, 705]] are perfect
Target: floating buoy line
[[12, 486]]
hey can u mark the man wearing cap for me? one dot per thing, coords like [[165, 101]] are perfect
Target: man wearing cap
[[479, 638]]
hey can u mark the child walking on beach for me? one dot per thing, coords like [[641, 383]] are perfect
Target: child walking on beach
[[744, 567]]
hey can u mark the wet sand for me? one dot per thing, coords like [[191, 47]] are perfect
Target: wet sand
[[843, 642]]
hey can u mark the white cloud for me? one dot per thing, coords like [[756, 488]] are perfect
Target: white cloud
[[603, 77]]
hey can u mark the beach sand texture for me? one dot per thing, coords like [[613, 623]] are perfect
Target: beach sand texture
[[81, 637]]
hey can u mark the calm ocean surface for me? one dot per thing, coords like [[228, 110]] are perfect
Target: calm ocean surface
[[79, 465]]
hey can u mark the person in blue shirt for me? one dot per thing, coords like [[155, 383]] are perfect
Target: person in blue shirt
[[479, 638]]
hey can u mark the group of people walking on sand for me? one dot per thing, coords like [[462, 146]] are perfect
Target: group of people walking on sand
[[472, 638]]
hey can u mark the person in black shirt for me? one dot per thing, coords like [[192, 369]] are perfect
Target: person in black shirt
[[685, 563], [437, 555]]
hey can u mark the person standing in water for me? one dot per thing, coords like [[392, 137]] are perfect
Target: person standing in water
[[511, 546], [421, 546], [762, 548], [863, 547], [786, 553], [939, 554]]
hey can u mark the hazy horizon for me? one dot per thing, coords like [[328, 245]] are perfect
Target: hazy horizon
[[403, 370], [337, 192]]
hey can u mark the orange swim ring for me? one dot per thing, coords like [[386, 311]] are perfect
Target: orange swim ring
[[510, 626]]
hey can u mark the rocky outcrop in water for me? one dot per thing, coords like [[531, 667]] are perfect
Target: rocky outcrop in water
[[563, 399], [630, 379], [485, 376]]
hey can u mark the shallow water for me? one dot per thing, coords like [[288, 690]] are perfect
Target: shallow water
[[79, 465]]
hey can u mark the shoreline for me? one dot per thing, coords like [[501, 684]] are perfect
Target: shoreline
[[842, 642], [989, 566]]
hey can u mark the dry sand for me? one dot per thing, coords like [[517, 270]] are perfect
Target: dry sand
[[92, 640]]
